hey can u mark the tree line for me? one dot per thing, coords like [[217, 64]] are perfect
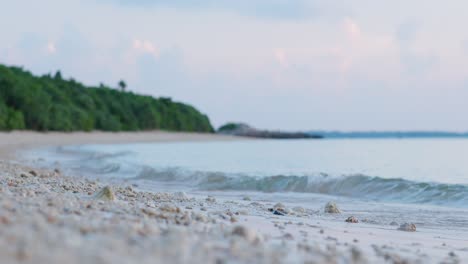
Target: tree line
[[51, 103]]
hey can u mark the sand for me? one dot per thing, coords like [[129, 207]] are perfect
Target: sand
[[48, 217]]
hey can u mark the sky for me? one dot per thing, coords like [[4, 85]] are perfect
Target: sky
[[350, 65]]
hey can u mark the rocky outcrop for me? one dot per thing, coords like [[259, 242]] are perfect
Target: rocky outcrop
[[244, 130]]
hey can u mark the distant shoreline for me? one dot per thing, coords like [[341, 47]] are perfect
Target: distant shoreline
[[11, 142], [245, 130], [388, 134]]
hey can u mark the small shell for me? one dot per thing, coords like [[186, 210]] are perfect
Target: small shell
[[332, 208], [106, 194]]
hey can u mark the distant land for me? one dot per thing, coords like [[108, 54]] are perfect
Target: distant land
[[52, 103], [244, 130], [390, 134]]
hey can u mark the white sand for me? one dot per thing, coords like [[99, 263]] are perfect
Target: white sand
[[46, 217]]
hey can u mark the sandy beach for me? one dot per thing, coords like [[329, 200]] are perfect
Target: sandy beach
[[49, 217]]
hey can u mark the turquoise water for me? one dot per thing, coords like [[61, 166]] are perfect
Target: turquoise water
[[409, 171]]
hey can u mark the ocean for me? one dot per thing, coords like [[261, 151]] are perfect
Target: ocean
[[380, 179]]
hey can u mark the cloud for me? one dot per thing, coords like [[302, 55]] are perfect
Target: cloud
[[280, 57], [145, 46], [352, 28], [270, 9], [51, 49]]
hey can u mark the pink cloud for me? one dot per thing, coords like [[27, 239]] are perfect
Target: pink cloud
[[146, 46], [280, 57]]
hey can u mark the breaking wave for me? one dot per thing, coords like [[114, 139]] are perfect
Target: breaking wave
[[355, 186]]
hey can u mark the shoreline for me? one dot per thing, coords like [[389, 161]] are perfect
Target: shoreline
[[10, 142], [49, 217]]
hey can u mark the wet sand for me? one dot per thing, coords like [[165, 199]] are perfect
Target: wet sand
[[48, 217]]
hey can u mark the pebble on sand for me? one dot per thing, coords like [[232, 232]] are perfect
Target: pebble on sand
[[332, 208], [352, 219], [408, 227], [280, 209], [278, 212], [106, 194], [210, 199]]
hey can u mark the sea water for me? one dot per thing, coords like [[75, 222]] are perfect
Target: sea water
[[415, 178]]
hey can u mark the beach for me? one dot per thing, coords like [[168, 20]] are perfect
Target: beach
[[48, 216]]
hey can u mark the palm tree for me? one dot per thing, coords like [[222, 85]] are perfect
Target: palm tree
[[122, 85]]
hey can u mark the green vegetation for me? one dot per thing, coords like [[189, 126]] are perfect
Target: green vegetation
[[52, 103], [230, 127]]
